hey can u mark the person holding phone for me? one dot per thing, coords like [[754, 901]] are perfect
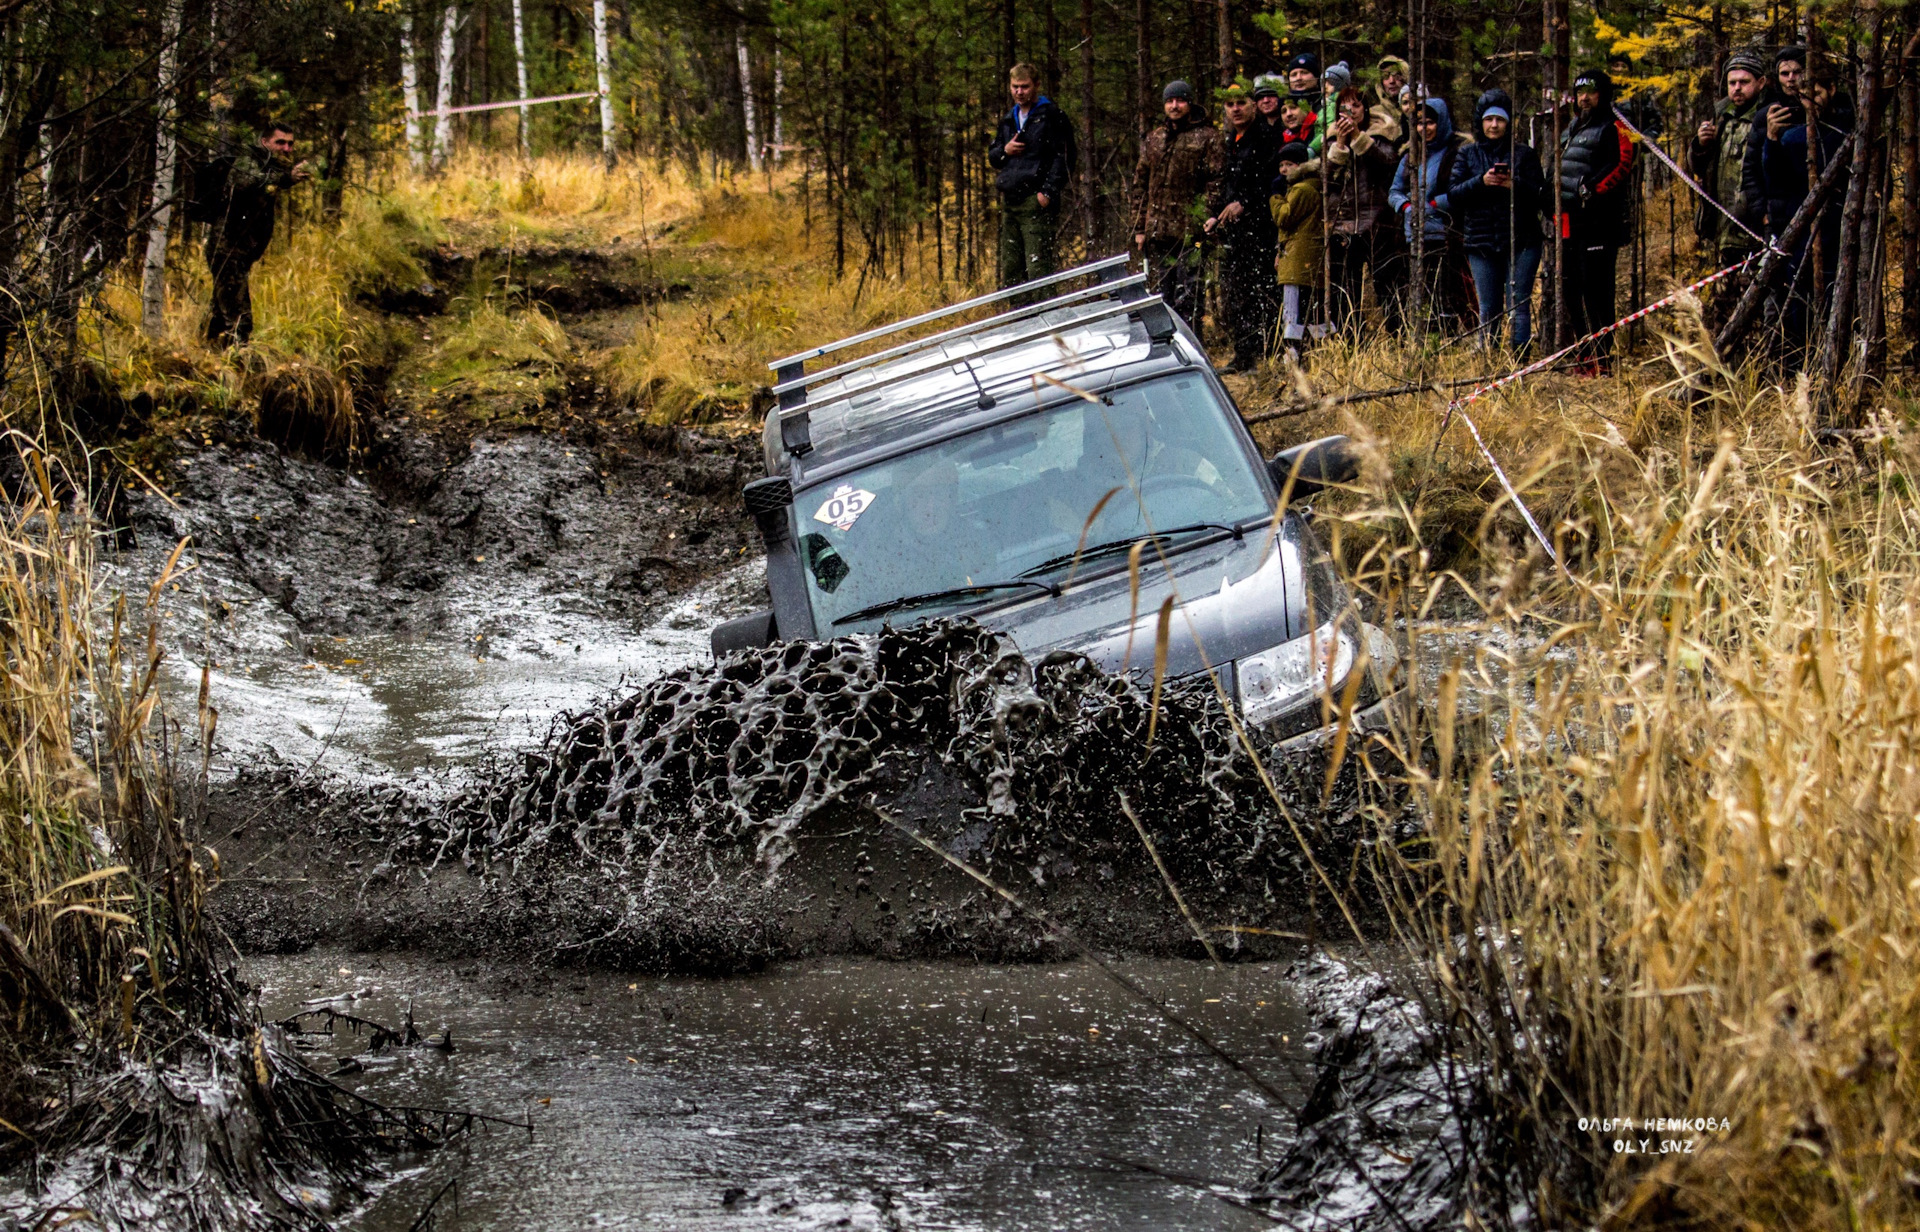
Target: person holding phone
[[1499, 194]]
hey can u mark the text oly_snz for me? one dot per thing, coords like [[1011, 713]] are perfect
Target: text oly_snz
[[1655, 1145]]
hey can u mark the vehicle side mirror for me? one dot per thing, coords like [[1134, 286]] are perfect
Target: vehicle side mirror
[[752, 630], [1315, 465]]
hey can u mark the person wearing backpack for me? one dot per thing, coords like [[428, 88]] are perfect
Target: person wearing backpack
[[238, 208], [1498, 192], [1032, 154]]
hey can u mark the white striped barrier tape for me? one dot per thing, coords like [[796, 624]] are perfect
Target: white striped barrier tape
[[512, 102], [1459, 405]]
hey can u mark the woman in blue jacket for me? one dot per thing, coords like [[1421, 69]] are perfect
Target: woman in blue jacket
[[1428, 182], [1498, 194]]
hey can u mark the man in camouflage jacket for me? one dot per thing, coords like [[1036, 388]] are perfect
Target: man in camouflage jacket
[[239, 235], [1181, 165]]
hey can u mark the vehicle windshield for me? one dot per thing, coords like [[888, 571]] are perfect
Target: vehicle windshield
[[1002, 501]]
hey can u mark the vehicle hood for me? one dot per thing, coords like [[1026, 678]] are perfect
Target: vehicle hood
[[1232, 598]]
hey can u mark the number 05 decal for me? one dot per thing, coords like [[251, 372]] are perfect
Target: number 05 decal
[[844, 507]]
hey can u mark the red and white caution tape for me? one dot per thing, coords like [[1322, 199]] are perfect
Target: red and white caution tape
[[1459, 405], [1692, 183], [512, 102]]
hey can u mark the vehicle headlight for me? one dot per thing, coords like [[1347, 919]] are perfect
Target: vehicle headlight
[[1276, 681]]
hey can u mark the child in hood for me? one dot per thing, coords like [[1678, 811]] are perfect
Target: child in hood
[[1296, 215]]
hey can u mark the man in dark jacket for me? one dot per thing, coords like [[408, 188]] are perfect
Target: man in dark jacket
[[1032, 152], [1498, 193], [1243, 224], [1179, 172], [1782, 97], [243, 227], [1786, 150], [1596, 175]]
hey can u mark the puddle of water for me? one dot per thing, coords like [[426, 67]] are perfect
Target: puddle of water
[[835, 1093], [390, 703]]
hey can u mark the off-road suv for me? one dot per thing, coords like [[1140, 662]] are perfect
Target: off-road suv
[[1056, 471]]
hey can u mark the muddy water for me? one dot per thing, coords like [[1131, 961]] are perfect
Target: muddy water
[[402, 702], [835, 1093]]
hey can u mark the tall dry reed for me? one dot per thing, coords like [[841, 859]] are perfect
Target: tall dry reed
[[1668, 863], [100, 889]]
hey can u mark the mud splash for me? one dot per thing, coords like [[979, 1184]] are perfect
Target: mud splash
[[723, 816]]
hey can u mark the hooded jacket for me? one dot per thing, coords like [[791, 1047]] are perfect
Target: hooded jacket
[[1045, 164], [1496, 221], [1430, 180], [1295, 209], [1181, 163], [1596, 157]]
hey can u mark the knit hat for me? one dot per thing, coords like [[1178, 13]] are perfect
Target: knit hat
[[1597, 78], [1796, 54], [1176, 89], [1746, 61], [1268, 85], [1494, 102], [1337, 78], [1295, 152], [1394, 64], [1306, 60]]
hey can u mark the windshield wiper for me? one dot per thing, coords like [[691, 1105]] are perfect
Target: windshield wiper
[[937, 596], [1115, 546]]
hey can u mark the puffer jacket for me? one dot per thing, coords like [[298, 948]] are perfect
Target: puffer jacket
[[1719, 165], [1358, 177], [1596, 161], [1296, 215], [1430, 180], [1179, 172], [1046, 161], [1495, 221]]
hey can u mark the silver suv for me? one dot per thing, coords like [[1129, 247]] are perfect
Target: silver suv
[[1057, 471]]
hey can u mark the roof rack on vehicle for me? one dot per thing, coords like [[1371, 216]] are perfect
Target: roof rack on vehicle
[[1100, 290], [1129, 290], [1095, 268], [1145, 307]]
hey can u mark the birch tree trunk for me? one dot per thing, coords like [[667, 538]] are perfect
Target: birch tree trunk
[[603, 69], [410, 87], [779, 127], [153, 275], [443, 88], [746, 98], [520, 68]]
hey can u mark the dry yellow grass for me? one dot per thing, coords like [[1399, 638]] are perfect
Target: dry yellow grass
[[1671, 866], [100, 892]]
